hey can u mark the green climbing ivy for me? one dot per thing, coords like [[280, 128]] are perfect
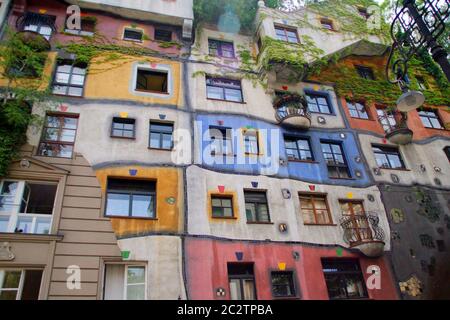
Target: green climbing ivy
[[24, 85]]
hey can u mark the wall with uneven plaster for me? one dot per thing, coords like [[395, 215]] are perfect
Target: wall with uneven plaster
[[281, 210]]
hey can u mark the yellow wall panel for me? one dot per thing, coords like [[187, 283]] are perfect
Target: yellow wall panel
[[168, 187]]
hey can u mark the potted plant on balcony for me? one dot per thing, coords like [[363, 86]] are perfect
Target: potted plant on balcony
[[288, 99]]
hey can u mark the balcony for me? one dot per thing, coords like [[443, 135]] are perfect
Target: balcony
[[363, 233], [396, 128], [25, 223], [36, 30], [291, 109]]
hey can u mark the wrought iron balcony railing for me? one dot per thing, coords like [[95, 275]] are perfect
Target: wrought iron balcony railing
[[291, 109], [363, 230]]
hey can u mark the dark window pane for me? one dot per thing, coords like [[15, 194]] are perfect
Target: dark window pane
[[163, 35], [134, 35]]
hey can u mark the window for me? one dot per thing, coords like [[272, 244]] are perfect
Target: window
[[388, 157], [69, 78], [387, 119], [221, 141], [133, 35], [315, 209], [430, 119], [124, 282], [152, 81], [363, 13], [359, 224], [163, 35], [131, 198], [20, 284], [39, 23], [298, 149], [223, 89], [286, 34], [357, 110], [256, 208], [365, 72], [318, 103], [447, 152], [222, 206], [87, 27], [123, 128], [161, 135], [283, 284], [26, 207], [58, 136], [221, 48], [251, 142], [421, 83], [242, 281], [327, 24], [344, 279], [334, 157]]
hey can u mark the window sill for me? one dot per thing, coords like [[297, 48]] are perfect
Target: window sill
[[303, 161], [395, 169], [322, 113], [41, 155], [224, 218], [263, 223], [151, 92], [334, 178], [362, 119], [131, 218], [67, 95], [125, 138], [160, 149], [321, 224], [223, 100], [133, 40]]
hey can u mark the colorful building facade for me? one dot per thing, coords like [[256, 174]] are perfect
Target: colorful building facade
[[213, 164]]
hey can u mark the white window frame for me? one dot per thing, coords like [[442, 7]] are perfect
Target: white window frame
[[125, 279], [159, 68], [15, 214], [21, 282]]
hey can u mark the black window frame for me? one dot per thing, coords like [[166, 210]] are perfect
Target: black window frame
[[324, 22], [255, 194], [213, 82], [425, 113], [285, 30], [292, 283], [163, 35], [352, 107], [339, 166], [131, 192], [74, 64], [124, 121], [165, 90], [226, 134], [135, 31], [241, 277], [343, 275], [298, 149], [365, 72], [388, 150], [161, 133], [217, 51], [222, 197], [315, 96]]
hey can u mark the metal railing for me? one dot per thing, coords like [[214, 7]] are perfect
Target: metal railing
[[291, 106], [359, 229]]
